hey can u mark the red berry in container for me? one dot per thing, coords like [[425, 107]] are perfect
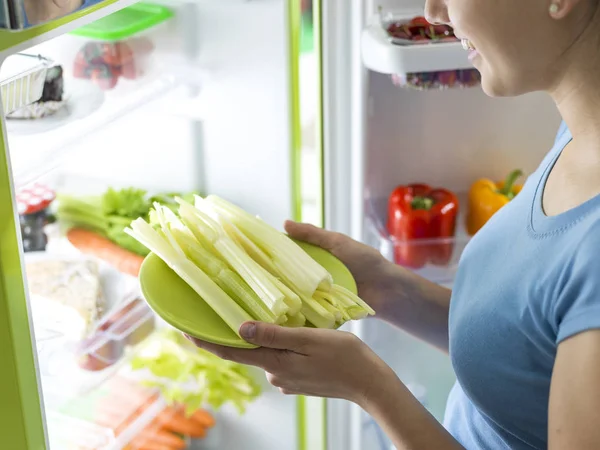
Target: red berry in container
[[129, 71]]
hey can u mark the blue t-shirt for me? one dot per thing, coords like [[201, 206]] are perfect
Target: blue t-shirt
[[525, 283]]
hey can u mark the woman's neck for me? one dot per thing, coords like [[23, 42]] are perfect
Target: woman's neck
[[577, 94]]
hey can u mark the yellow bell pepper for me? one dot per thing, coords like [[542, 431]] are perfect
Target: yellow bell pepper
[[487, 197]]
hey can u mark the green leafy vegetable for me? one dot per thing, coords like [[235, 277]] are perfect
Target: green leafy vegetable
[[194, 377], [129, 203], [110, 213]]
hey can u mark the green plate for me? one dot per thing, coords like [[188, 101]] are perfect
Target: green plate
[[180, 306]]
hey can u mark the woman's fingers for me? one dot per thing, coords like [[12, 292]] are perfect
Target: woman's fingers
[[264, 358], [327, 240], [273, 336]]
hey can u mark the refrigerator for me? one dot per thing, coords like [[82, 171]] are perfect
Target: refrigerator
[[291, 109]]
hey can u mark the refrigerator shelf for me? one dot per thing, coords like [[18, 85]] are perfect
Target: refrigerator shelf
[[385, 54], [107, 417], [36, 147], [434, 259]]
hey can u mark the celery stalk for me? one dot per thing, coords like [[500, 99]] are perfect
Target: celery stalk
[[291, 299], [337, 314], [296, 321], [356, 312], [251, 248], [233, 314], [331, 299], [316, 314], [343, 292], [294, 265], [250, 271], [226, 279]]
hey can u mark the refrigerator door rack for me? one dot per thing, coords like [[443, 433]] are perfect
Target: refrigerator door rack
[[449, 79], [434, 259], [386, 53]]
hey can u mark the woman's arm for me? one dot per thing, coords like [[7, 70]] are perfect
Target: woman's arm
[[417, 306], [397, 295], [403, 418], [575, 394], [39, 11]]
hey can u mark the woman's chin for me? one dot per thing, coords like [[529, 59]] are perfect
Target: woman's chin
[[495, 85]]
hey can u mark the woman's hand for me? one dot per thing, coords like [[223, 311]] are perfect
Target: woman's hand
[[308, 361], [335, 364], [371, 271], [397, 295]]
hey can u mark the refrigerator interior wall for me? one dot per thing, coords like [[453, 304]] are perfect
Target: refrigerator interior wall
[[451, 138], [233, 140]]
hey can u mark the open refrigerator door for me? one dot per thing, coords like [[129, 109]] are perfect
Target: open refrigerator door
[[103, 115]]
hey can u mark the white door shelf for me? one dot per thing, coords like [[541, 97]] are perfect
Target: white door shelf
[[380, 54]]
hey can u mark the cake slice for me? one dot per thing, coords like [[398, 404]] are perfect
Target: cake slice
[[52, 99], [66, 295]]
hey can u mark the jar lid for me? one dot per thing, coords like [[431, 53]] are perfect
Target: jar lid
[[34, 198]]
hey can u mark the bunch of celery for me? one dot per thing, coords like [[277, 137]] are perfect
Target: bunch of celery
[[243, 268]]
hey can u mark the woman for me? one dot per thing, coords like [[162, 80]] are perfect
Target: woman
[[522, 325]]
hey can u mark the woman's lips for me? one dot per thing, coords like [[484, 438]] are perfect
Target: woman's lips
[[468, 46]]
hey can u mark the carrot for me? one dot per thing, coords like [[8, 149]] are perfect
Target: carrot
[[134, 415], [178, 423], [93, 243], [204, 418], [164, 437], [142, 443]]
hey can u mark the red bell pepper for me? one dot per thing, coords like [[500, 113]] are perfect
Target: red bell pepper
[[419, 212]]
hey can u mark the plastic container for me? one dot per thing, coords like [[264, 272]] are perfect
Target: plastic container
[[437, 258], [107, 417], [120, 47], [89, 335], [127, 325], [383, 51], [22, 78]]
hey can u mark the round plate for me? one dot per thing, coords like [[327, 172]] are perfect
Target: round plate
[[180, 306]]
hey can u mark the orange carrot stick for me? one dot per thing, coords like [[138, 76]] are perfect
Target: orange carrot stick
[[178, 423], [92, 243], [164, 437], [142, 443], [204, 418]]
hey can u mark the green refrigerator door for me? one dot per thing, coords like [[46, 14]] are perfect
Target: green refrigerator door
[[21, 416], [22, 424]]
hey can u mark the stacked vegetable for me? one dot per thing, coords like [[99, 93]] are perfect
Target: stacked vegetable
[[243, 268]]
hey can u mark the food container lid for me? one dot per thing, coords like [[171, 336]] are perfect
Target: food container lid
[[34, 198], [125, 23]]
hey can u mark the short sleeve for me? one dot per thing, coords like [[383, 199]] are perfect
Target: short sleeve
[[577, 308]]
